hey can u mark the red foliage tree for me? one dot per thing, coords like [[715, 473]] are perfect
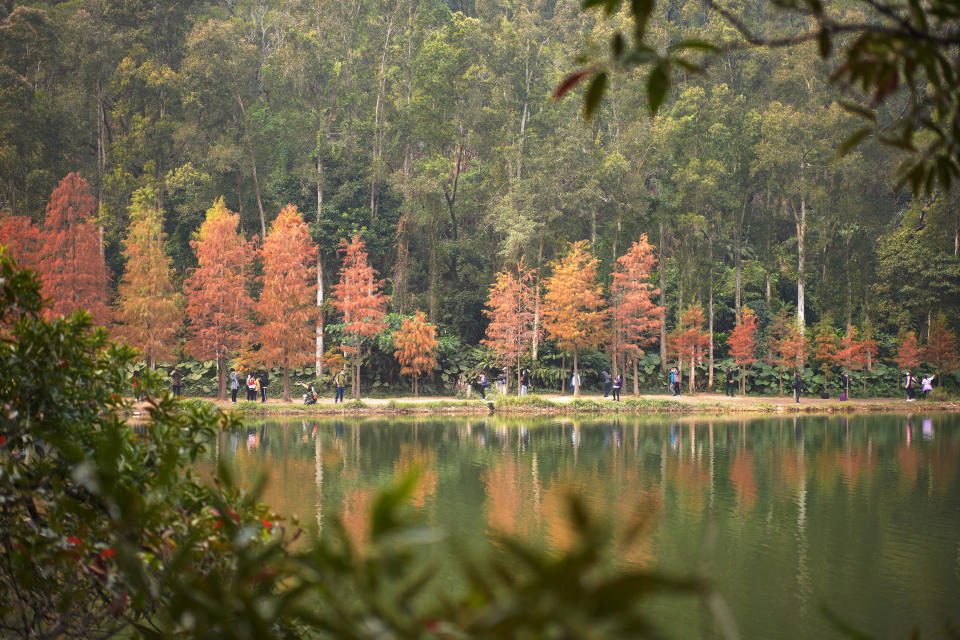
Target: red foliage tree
[[218, 305], [287, 301], [148, 306], [909, 354], [690, 339], [22, 239], [358, 298], [850, 353], [572, 304], [416, 343], [743, 343], [941, 349], [634, 315], [71, 265], [510, 308], [785, 346]]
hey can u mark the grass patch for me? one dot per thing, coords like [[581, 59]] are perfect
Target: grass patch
[[200, 403], [528, 401]]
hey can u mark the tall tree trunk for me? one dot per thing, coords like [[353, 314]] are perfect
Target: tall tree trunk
[[377, 125], [221, 377], [286, 382], [801, 222], [636, 381], [710, 321], [663, 307], [434, 276], [536, 302], [253, 164], [576, 379], [318, 356]]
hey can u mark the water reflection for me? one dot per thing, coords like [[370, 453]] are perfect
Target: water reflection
[[861, 512]]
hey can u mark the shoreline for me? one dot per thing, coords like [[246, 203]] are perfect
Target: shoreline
[[589, 404]]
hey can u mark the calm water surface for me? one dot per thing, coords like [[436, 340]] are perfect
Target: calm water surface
[[784, 515]]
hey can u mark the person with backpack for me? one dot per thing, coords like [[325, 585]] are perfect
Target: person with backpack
[[234, 385], [605, 378], [730, 383], [339, 384]]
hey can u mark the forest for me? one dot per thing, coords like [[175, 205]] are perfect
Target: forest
[[164, 148]]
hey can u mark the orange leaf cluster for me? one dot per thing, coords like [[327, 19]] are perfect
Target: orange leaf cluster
[[287, 303], [689, 340], [71, 264], [148, 307], [416, 343], [218, 304], [635, 316]]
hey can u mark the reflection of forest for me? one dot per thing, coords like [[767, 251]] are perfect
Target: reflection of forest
[[814, 506]]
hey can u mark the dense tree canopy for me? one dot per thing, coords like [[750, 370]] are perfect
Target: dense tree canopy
[[428, 130]]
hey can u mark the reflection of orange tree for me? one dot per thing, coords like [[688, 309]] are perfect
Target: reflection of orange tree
[[356, 516], [426, 461], [510, 505], [743, 479], [792, 469], [909, 463], [691, 476], [851, 464], [942, 463], [636, 506]]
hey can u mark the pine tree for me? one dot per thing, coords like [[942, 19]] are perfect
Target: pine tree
[[71, 263], [825, 349], [510, 309], [22, 240], [909, 354], [743, 343], [218, 305], [148, 307], [358, 298], [416, 343], [287, 300], [941, 349], [634, 315], [572, 305], [690, 339]]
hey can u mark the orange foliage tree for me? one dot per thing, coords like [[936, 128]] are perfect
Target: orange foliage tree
[[689, 339], [941, 349], [71, 265], [634, 315], [850, 353], [785, 346], [743, 343], [909, 354], [825, 349], [416, 343], [22, 239], [287, 300], [218, 305], [510, 308], [573, 311], [358, 298], [148, 306]]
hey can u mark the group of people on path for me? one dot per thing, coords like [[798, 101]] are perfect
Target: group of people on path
[[926, 386], [611, 385], [256, 385]]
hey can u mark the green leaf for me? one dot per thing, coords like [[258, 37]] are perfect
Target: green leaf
[[863, 112], [642, 10], [823, 43], [657, 85], [699, 45], [594, 95], [617, 45], [853, 140]]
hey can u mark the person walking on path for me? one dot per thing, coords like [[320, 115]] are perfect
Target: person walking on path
[[797, 386], [674, 382], [844, 386], [482, 383], [908, 385], [524, 382], [339, 384], [617, 385], [730, 382], [176, 376], [605, 377], [264, 383], [926, 386], [234, 385]]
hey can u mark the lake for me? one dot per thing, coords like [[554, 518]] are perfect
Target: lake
[[784, 516]]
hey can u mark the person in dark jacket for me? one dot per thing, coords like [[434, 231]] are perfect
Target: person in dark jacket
[[730, 384], [797, 386], [264, 381]]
